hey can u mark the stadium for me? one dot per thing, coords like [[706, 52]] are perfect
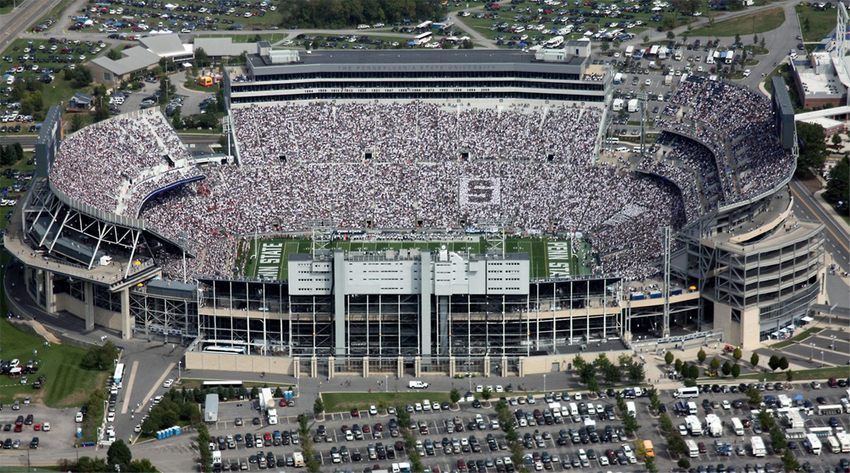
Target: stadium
[[418, 211]]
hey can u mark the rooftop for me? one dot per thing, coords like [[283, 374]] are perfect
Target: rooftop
[[135, 59], [224, 46]]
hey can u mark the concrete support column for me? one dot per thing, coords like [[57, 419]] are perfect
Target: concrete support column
[[127, 321], [339, 302], [331, 368], [487, 366], [49, 297], [521, 368], [504, 365], [451, 367], [365, 366], [417, 366], [88, 290], [314, 367], [400, 367], [296, 367]]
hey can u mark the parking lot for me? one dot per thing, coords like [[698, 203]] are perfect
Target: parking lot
[[21, 421], [466, 438]]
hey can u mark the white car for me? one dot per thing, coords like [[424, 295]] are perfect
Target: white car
[[500, 388], [746, 73], [168, 382], [726, 404], [373, 411], [45, 427], [138, 428], [110, 417], [479, 389], [157, 400], [79, 417], [647, 82]]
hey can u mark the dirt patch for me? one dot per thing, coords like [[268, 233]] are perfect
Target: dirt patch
[[811, 183], [40, 329]]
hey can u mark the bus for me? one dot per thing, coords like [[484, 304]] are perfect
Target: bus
[[555, 42], [686, 392], [420, 39], [226, 350], [118, 376]]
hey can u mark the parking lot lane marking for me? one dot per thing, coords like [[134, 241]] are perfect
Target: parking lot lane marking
[[157, 384], [129, 389]]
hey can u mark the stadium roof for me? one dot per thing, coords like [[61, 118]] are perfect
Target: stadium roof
[[418, 56], [781, 95], [135, 59]]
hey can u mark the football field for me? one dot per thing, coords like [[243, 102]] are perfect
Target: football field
[[549, 257]]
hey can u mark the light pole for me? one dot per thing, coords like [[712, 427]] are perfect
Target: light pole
[[386, 383], [821, 356], [179, 365], [544, 383]]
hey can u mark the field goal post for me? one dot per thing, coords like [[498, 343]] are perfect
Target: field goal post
[[321, 232], [493, 233]]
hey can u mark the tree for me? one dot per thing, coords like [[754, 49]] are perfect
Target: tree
[[737, 354], [668, 358], [5, 155], [454, 396], [783, 363], [318, 406], [773, 362], [693, 372], [754, 396], [142, 465], [813, 150], [486, 394], [789, 461], [671, 35], [202, 59], [761, 42], [755, 39], [701, 355], [806, 24], [637, 374], [714, 365], [255, 392], [686, 7], [838, 186], [836, 140], [119, 454], [737, 39], [736, 370], [754, 360], [76, 122], [684, 463], [176, 121], [726, 368], [789, 375], [678, 366], [114, 54]]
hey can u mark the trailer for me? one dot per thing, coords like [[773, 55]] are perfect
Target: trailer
[[834, 446], [757, 444], [692, 408], [843, 441], [784, 400], [633, 107], [714, 425], [631, 409], [795, 420], [266, 399], [618, 78], [211, 408], [630, 50]]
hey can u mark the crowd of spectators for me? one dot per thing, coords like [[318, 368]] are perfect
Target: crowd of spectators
[[414, 181], [102, 164], [737, 125]]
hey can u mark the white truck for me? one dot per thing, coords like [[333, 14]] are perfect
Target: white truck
[[737, 426], [631, 409], [630, 50], [693, 450], [694, 425], [619, 77], [715, 426], [784, 400], [692, 408], [216, 458], [757, 444], [617, 105], [416, 384], [266, 399], [633, 105], [272, 415]]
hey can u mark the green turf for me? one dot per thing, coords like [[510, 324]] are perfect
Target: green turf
[[548, 257], [344, 402], [66, 385], [797, 338], [815, 24], [758, 22]]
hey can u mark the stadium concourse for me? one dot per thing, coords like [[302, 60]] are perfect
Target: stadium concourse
[[430, 165]]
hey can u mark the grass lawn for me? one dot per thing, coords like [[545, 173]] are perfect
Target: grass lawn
[[819, 22], [797, 338], [803, 375], [343, 402], [758, 22], [67, 384]]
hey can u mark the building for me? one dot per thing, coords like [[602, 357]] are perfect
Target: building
[[218, 48], [548, 74], [116, 71]]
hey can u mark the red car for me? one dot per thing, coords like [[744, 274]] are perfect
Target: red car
[[36, 427], [282, 403], [355, 413]]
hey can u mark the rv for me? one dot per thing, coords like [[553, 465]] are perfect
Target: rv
[[709, 58], [692, 408], [715, 427], [758, 446], [694, 425], [617, 105], [633, 105], [618, 78], [629, 51], [693, 450], [834, 446], [737, 426], [815, 445], [630, 409], [843, 441]]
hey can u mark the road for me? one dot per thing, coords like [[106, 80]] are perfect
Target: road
[[19, 20]]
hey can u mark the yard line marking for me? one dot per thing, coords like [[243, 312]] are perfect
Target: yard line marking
[[129, 389]]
